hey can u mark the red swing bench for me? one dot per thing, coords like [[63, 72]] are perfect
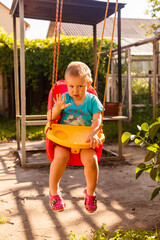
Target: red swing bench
[[56, 132]]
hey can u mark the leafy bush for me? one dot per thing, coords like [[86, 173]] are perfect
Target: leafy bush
[[39, 61], [119, 234], [148, 136], [6, 53], [140, 91], [39, 57]]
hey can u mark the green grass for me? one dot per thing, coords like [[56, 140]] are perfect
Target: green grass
[[119, 234], [8, 127], [3, 219], [8, 130]]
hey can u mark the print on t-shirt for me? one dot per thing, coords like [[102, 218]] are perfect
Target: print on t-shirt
[[75, 120]]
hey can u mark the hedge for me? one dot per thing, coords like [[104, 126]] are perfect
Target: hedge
[[39, 60]]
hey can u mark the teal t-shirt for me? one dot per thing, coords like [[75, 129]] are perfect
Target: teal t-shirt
[[80, 115]]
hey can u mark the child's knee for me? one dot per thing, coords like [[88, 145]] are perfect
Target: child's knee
[[89, 157], [61, 154]]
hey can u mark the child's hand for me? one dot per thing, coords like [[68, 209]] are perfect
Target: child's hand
[[53, 113], [94, 141], [60, 103]]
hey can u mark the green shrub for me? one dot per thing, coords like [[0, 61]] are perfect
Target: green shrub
[[39, 60], [140, 91], [147, 136], [119, 234]]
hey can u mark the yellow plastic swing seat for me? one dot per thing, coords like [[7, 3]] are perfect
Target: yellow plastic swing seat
[[71, 136]]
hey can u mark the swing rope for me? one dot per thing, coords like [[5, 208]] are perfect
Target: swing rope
[[55, 61], [106, 12], [54, 78], [109, 60], [55, 44], [59, 33]]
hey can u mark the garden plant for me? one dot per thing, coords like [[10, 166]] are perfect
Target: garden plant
[[148, 136], [119, 234]]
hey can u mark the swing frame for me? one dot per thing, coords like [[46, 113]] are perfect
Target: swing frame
[[18, 10]]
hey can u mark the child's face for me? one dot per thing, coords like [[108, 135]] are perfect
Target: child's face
[[77, 87]]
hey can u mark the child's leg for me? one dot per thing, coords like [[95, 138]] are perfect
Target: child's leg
[[58, 165], [90, 162]]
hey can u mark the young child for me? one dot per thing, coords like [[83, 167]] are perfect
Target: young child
[[77, 107]]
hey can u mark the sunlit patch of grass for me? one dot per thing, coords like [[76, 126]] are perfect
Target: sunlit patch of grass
[[3, 219], [35, 133]]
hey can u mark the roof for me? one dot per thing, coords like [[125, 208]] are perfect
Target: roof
[[132, 30], [88, 12]]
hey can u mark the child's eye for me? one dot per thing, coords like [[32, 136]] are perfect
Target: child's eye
[[80, 86]]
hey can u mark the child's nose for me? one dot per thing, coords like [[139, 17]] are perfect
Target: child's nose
[[75, 90]]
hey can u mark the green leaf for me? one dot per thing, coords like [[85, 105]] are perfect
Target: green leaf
[[155, 193], [149, 167], [144, 127], [139, 169], [141, 166], [158, 160], [143, 144], [153, 173], [125, 138], [158, 177], [138, 174], [153, 129], [149, 156], [138, 141], [154, 147], [146, 134]]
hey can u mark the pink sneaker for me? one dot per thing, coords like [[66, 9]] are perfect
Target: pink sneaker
[[57, 203], [90, 202]]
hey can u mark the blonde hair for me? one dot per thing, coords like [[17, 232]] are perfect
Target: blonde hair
[[79, 69]]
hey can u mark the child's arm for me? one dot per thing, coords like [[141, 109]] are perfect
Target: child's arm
[[53, 113], [93, 138]]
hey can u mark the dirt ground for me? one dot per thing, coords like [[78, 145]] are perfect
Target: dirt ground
[[122, 200]]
